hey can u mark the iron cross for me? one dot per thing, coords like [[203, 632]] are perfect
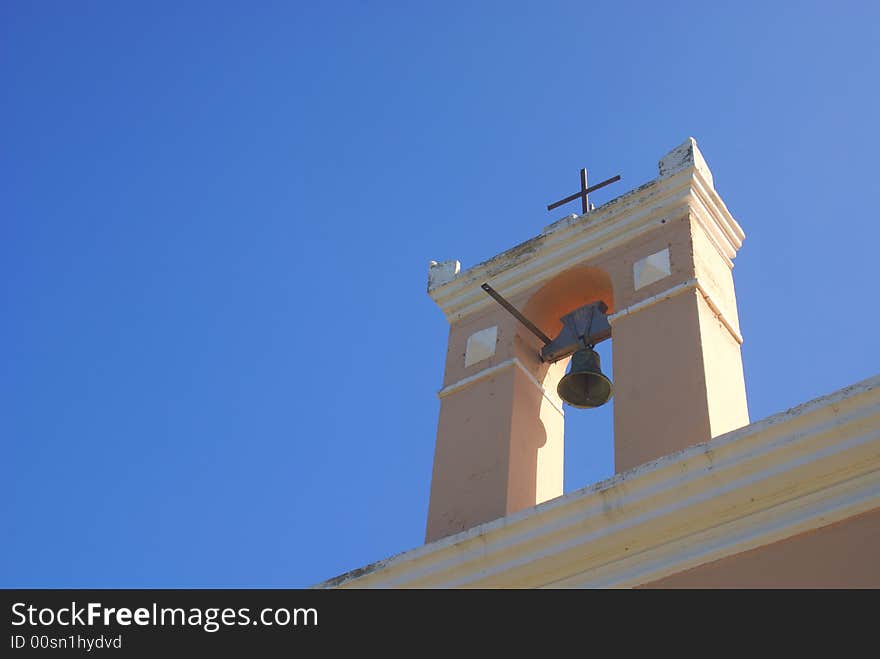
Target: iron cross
[[585, 203]]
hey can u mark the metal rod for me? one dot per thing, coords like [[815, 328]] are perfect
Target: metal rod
[[585, 206], [516, 314], [580, 194]]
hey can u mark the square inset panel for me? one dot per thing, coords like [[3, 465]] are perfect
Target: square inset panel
[[480, 345], [651, 268]]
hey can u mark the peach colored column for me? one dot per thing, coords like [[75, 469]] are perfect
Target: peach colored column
[[678, 376], [499, 442]]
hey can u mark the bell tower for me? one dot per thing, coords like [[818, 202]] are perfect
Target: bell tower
[[659, 259]]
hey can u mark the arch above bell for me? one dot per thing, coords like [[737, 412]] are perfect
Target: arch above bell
[[569, 290]]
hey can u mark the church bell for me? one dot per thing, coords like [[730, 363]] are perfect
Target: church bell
[[585, 385]]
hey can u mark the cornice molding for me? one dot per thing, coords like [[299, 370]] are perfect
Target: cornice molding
[[712, 216], [802, 469], [575, 239]]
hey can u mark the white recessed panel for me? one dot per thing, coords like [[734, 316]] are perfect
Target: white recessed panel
[[480, 345], [651, 268]]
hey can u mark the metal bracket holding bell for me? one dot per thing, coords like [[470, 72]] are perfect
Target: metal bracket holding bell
[[584, 327]]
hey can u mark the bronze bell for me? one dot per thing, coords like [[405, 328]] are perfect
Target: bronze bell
[[584, 385]]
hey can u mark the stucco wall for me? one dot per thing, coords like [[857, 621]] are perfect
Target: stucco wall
[[841, 555]]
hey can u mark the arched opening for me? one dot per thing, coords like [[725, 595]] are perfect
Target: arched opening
[[589, 445]]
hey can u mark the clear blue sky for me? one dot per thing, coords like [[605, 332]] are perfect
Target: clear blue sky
[[219, 363]]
